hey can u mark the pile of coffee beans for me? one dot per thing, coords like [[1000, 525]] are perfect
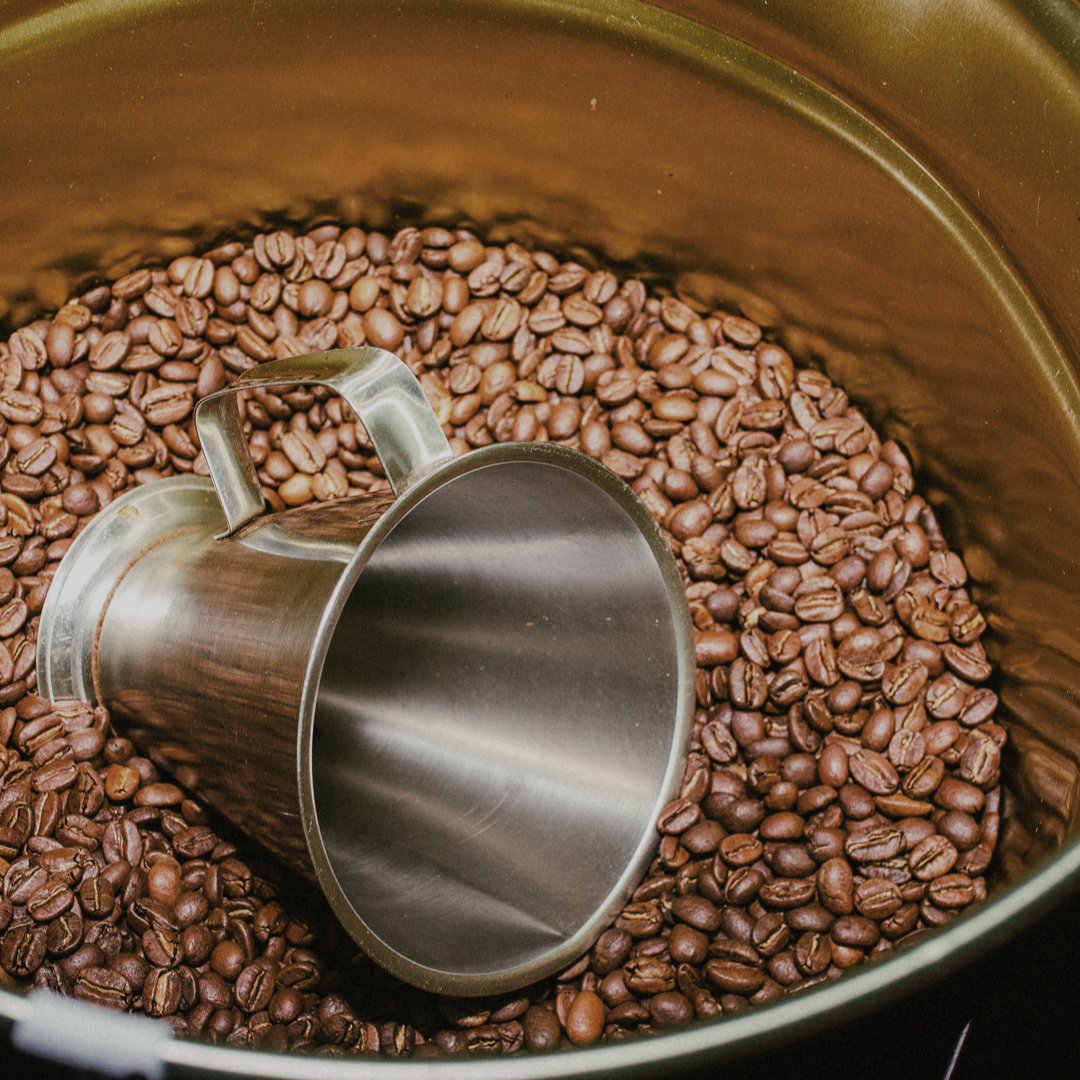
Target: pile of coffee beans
[[842, 792]]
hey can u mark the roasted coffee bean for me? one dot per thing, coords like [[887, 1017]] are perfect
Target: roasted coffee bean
[[22, 949], [145, 913], [961, 829], [743, 886], [924, 778], [687, 946], [121, 840], [980, 761], [786, 893], [835, 884], [703, 838], [731, 977], [585, 1020], [64, 933], [742, 815], [783, 969], [162, 992], [134, 968], [89, 954], [810, 917], [105, 935], [541, 1028], [697, 912], [877, 898], [640, 920], [671, 1010], [791, 861], [782, 826], [740, 849], [901, 922], [678, 816], [826, 843], [875, 844], [954, 794], [855, 932], [227, 959], [162, 947], [813, 953], [771, 934], [737, 923], [646, 975], [50, 900], [611, 950], [23, 879], [254, 988], [102, 986], [932, 858], [874, 772], [915, 831], [833, 766], [856, 802], [741, 952], [952, 891], [197, 943]]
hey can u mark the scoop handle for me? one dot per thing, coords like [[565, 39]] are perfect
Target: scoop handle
[[382, 391]]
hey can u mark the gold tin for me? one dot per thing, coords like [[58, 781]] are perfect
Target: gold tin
[[894, 184]]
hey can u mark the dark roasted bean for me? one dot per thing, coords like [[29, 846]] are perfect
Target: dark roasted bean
[[855, 931], [103, 986], [646, 975], [254, 988], [835, 883], [932, 858], [874, 772], [786, 893], [734, 978], [877, 899], [697, 912], [162, 992], [542, 1030]]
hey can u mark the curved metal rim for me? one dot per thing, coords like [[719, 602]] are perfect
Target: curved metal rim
[[444, 982], [859, 991], [69, 603]]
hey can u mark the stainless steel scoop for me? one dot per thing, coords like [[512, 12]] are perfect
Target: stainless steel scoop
[[459, 709]]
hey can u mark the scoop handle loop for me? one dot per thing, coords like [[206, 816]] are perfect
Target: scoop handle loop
[[382, 391]]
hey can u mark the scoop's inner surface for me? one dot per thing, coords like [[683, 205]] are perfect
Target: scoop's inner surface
[[495, 718]]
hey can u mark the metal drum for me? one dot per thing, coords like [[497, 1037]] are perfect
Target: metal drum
[[893, 184]]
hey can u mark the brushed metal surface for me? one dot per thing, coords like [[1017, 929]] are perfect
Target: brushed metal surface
[[494, 723], [202, 654]]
